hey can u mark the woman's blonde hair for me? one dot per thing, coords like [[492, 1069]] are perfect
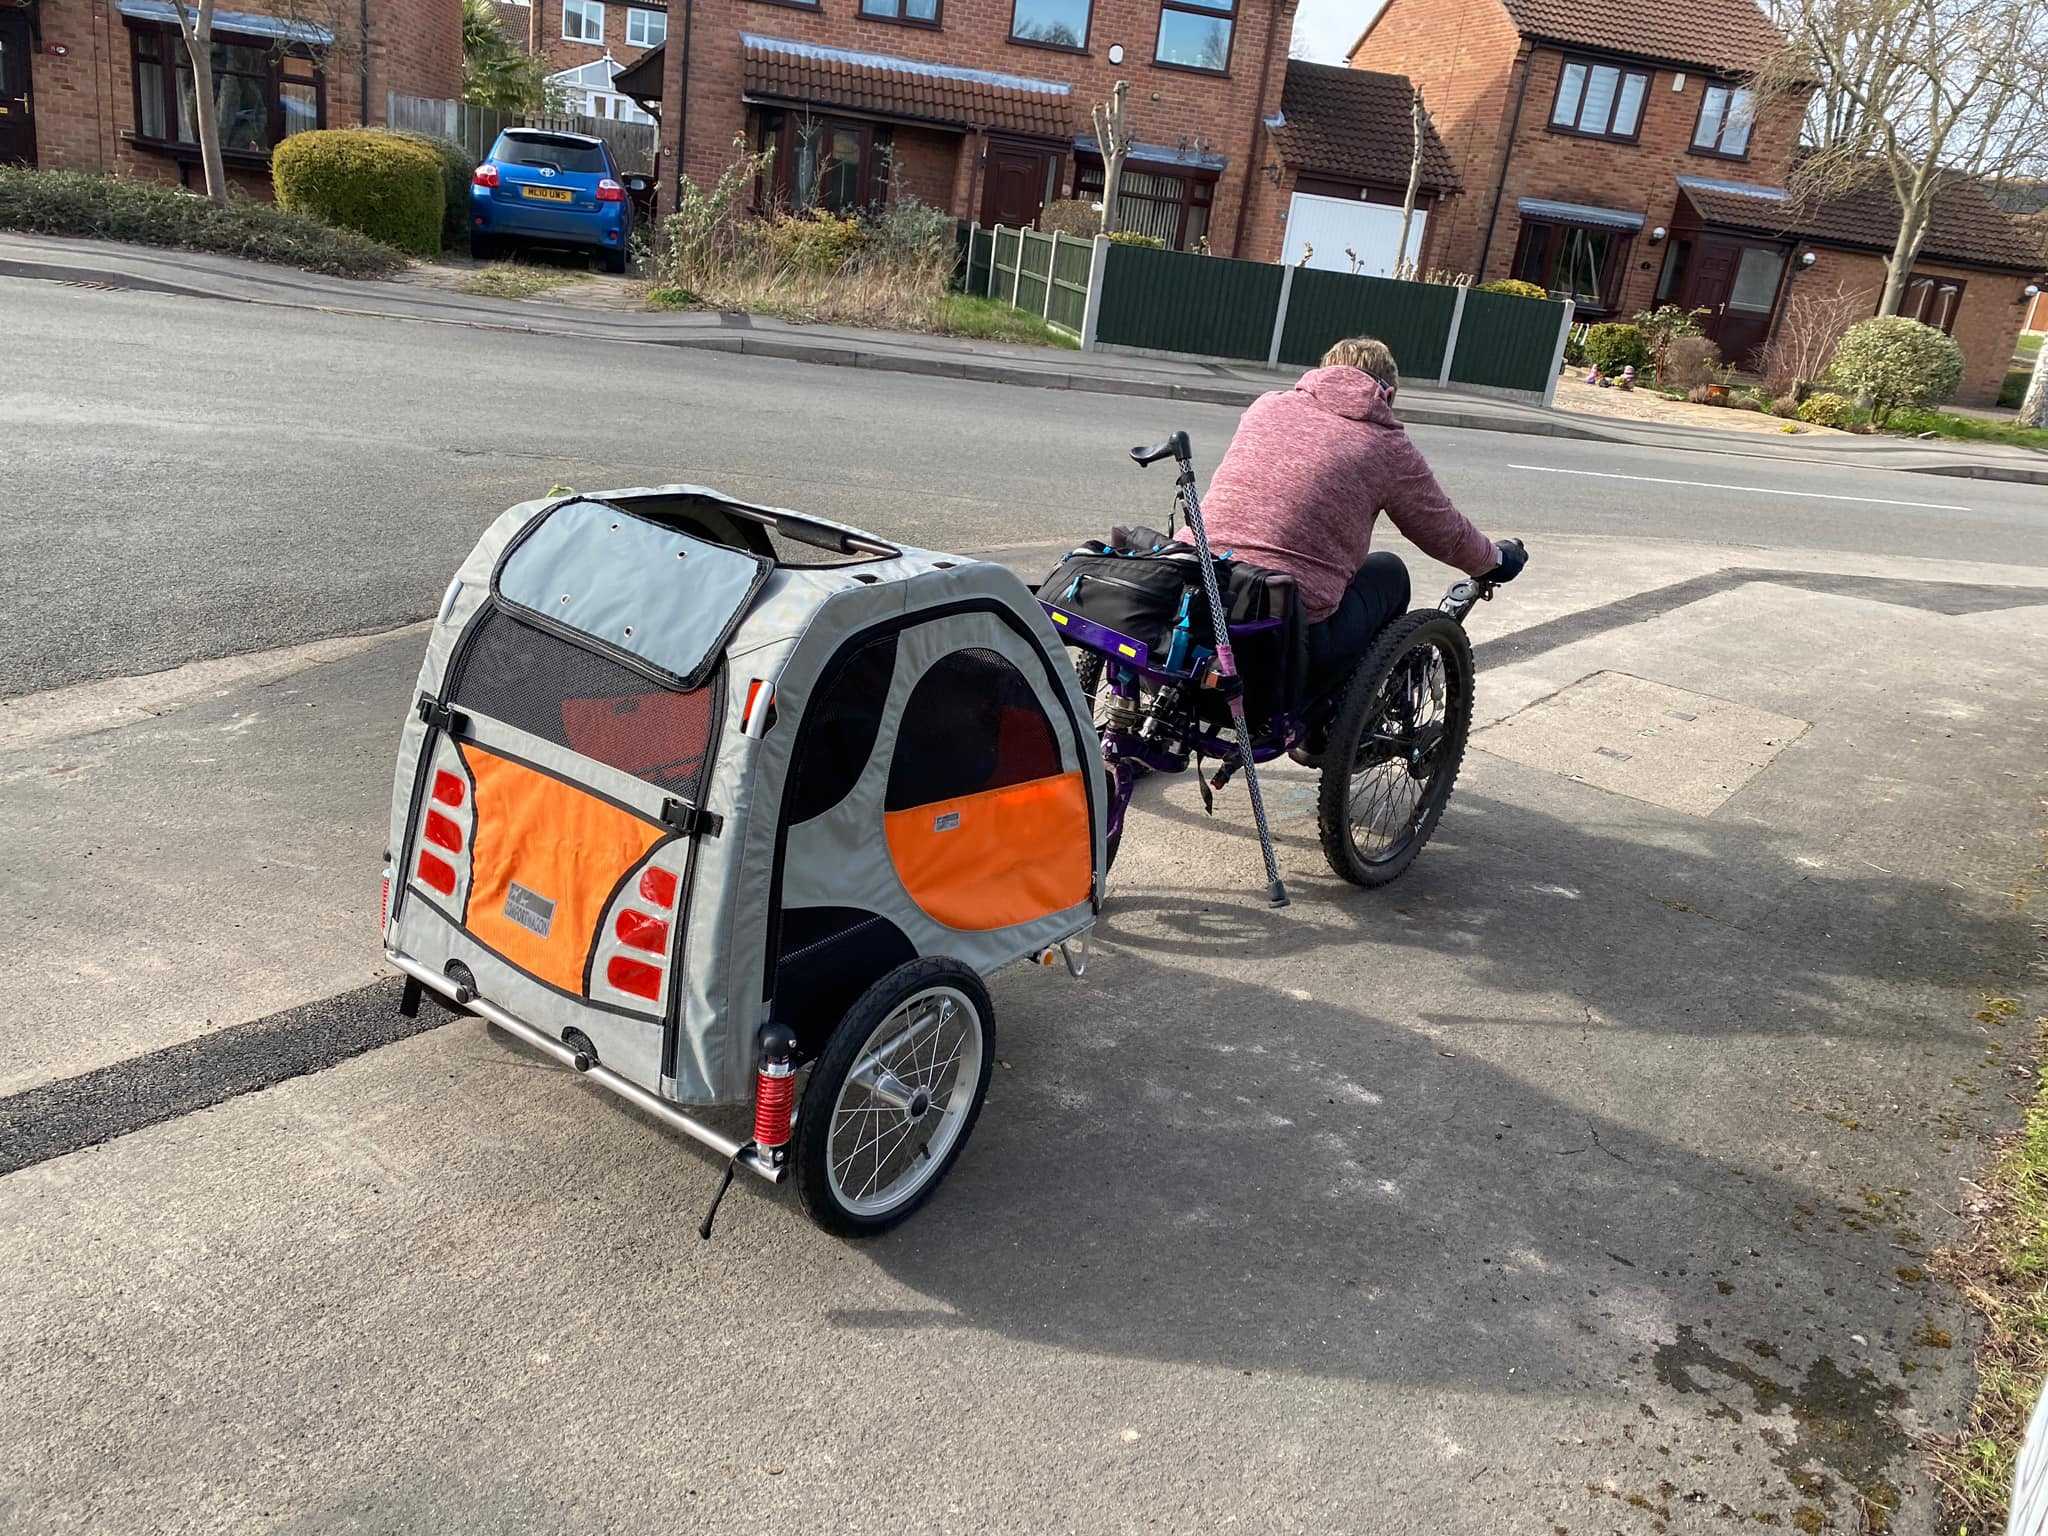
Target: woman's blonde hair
[[1368, 353]]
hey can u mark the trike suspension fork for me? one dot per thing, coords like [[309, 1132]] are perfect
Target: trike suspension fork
[[1226, 663]]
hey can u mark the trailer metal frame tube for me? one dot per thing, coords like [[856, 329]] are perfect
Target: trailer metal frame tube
[[743, 1151]]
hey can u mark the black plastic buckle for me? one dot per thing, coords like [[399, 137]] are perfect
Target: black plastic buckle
[[689, 820], [441, 717]]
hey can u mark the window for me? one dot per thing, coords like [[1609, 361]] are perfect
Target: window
[[1051, 23], [1932, 301], [823, 162], [1671, 281], [1726, 114], [262, 94], [1602, 101], [1755, 289], [583, 21], [912, 13], [527, 146], [646, 29], [1580, 262], [1195, 34], [1168, 205]]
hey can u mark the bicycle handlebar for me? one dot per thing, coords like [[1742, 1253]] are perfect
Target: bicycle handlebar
[[1175, 447]]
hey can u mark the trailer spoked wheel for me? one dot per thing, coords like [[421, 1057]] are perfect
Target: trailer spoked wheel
[[894, 1096]]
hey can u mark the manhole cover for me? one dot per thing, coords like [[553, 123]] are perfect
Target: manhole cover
[[1645, 740]]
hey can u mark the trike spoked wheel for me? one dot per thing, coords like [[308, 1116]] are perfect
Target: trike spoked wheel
[[894, 1097], [1395, 748]]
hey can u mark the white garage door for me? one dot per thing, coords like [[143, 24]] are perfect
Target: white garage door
[[1331, 226]]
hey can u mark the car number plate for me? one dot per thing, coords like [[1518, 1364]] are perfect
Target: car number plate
[[548, 194]]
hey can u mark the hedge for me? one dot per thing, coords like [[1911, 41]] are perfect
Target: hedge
[[379, 184], [456, 169], [94, 207]]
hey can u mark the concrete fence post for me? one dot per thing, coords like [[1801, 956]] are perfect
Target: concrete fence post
[[1443, 376], [973, 238], [1052, 272], [1091, 313], [1280, 316], [995, 249], [1017, 277], [1564, 329]]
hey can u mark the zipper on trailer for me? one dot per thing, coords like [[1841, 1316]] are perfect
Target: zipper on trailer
[[671, 1024]]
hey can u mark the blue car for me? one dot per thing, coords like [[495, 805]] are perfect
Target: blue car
[[543, 188]]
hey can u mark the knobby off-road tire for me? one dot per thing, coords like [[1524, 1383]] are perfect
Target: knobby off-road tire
[[863, 1164], [1356, 761]]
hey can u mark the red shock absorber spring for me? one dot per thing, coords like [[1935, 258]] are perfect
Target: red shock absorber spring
[[775, 1087]]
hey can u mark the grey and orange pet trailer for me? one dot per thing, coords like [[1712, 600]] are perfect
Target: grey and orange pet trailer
[[719, 804]]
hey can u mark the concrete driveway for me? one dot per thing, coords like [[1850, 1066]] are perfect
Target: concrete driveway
[[1582, 1181]]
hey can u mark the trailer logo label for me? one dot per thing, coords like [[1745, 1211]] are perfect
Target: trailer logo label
[[529, 909], [946, 823]]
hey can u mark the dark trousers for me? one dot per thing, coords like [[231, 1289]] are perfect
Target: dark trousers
[[1377, 595]]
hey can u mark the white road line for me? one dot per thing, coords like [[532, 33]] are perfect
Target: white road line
[[1755, 490]]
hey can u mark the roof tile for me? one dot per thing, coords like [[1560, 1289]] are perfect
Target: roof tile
[[1967, 226], [1354, 123], [782, 70], [1728, 35]]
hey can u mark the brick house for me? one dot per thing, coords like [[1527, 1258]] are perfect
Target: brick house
[[1335, 172], [586, 43], [1610, 152], [981, 107], [103, 85]]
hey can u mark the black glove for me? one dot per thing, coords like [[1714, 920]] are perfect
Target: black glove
[[1512, 558]]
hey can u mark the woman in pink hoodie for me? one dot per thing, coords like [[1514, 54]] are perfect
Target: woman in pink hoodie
[[1304, 480]]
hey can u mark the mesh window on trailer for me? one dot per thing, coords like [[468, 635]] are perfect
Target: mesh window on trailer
[[972, 723], [548, 687]]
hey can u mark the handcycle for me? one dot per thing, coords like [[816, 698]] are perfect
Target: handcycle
[[1389, 734]]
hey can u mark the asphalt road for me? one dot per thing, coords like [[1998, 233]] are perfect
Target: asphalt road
[[1582, 1181], [185, 479]]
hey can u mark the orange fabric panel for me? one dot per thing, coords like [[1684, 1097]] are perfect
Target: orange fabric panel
[[564, 848], [1003, 856]]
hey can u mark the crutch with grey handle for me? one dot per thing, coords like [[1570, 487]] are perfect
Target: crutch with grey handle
[[1227, 678]]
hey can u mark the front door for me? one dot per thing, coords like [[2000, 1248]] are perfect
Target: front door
[[1013, 187], [1738, 284], [17, 99]]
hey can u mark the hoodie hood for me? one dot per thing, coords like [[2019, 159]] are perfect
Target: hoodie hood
[[1349, 392]]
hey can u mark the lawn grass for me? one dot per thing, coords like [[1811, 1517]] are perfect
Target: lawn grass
[[2001, 1268], [2026, 348], [514, 280], [985, 319], [95, 207], [1972, 429]]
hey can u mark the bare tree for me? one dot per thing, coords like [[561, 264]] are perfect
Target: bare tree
[[1111, 138], [2034, 404], [1798, 351], [1910, 93], [304, 19], [1402, 265]]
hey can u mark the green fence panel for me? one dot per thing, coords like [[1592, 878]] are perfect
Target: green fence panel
[[1414, 319], [1171, 301], [1036, 258], [1003, 263], [1507, 342], [1069, 307]]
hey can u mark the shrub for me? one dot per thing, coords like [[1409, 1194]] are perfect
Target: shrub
[[1612, 347], [818, 241], [1700, 394], [1132, 237], [1786, 406], [1825, 410], [456, 169], [1514, 286], [1688, 360], [910, 230], [382, 185], [1072, 216], [149, 213], [2014, 389], [1664, 325], [1893, 361], [1798, 350]]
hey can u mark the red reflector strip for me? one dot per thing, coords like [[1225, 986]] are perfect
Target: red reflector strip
[[443, 833], [634, 976], [639, 931], [659, 887], [436, 873], [448, 788]]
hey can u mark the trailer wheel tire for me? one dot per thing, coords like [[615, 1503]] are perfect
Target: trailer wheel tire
[[894, 1096]]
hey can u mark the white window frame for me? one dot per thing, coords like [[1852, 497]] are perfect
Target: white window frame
[[582, 10], [647, 19]]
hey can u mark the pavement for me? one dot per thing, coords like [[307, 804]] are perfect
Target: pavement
[[198, 274], [1584, 1180]]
